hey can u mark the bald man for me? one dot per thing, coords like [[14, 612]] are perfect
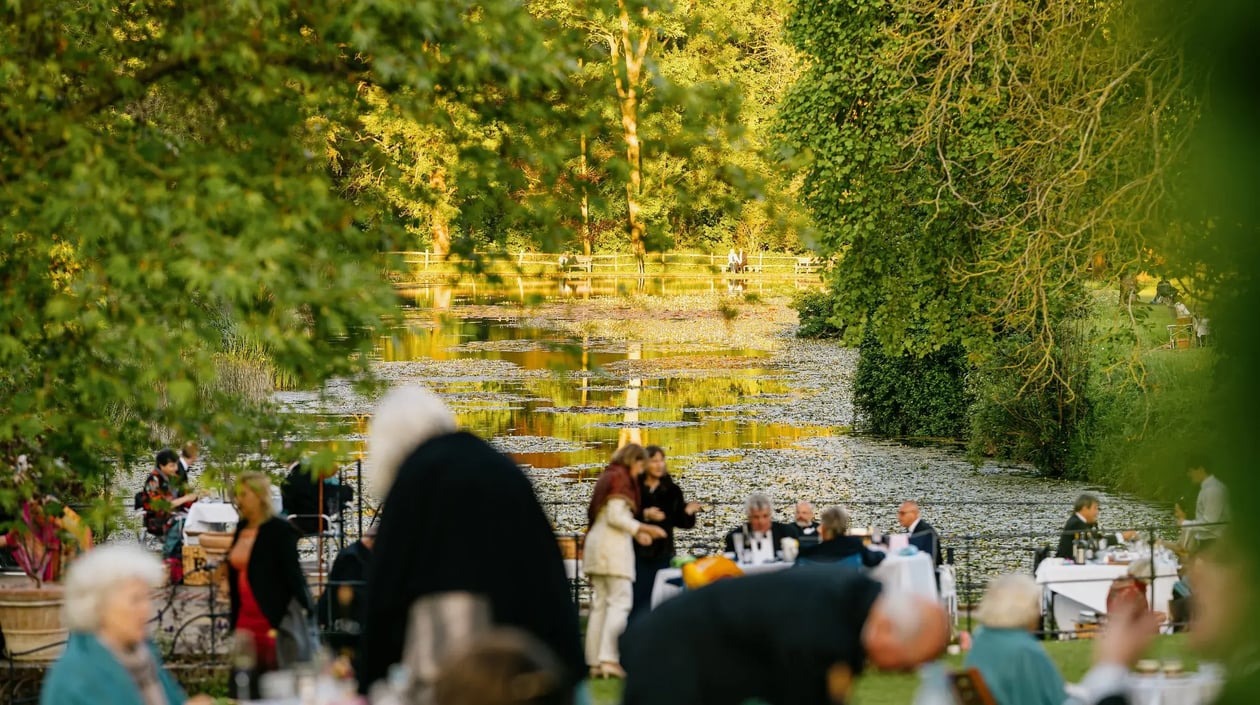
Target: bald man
[[922, 534], [737, 639]]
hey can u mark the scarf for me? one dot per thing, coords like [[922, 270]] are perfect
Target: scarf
[[615, 481], [139, 663]]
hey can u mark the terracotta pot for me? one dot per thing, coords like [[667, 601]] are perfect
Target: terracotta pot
[[31, 620]]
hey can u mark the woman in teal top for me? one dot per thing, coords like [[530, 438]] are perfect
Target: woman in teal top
[[1010, 660], [109, 659]]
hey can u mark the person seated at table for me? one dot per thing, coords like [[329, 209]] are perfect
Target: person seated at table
[[806, 527], [922, 534], [300, 498], [1084, 523], [762, 535], [1013, 664], [109, 658], [837, 546], [165, 500], [1018, 671], [738, 640], [341, 602]]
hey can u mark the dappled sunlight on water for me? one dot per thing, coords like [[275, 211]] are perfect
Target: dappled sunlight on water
[[596, 394]]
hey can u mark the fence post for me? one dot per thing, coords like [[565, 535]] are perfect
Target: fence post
[[968, 581]]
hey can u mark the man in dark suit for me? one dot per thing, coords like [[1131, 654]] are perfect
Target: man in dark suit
[[1083, 522], [734, 641], [762, 535], [922, 535]]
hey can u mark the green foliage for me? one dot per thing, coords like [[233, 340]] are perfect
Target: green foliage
[[814, 308], [165, 190], [908, 395], [1140, 437], [974, 162]]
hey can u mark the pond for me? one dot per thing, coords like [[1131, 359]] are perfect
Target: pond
[[716, 378]]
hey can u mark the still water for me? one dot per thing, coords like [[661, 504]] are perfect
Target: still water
[[559, 374]]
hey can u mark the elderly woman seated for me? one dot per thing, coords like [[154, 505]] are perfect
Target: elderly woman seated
[[109, 659], [836, 545], [1010, 660]]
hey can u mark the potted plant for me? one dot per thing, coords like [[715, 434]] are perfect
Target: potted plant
[[45, 535]]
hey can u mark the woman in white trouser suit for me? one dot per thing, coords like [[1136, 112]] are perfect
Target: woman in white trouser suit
[[609, 556]]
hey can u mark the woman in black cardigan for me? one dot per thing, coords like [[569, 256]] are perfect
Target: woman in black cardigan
[[263, 570], [662, 504]]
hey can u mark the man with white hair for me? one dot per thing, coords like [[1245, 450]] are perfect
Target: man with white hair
[[761, 534], [427, 472], [727, 643]]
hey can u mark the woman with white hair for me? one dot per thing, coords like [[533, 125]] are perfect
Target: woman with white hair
[[109, 659], [1012, 663], [433, 479]]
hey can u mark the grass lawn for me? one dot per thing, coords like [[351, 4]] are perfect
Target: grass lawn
[[1073, 658]]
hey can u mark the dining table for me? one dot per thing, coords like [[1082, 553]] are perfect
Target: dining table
[[913, 573], [1073, 589]]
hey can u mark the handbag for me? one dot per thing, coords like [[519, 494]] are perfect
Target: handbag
[[297, 637]]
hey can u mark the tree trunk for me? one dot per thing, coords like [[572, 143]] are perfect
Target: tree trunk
[[628, 54], [439, 222], [586, 204]]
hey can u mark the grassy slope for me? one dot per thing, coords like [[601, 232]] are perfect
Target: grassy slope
[[1073, 658]]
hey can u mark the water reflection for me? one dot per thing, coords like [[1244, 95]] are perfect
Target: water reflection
[[571, 401], [530, 290]]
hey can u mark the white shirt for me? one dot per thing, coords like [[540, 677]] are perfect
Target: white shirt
[[760, 547], [1211, 507], [910, 529]]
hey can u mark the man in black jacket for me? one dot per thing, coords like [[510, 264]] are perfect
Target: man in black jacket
[[341, 603], [922, 534], [761, 535], [731, 642], [1082, 523]]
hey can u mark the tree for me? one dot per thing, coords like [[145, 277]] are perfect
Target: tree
[[165, 193], [974, 162]]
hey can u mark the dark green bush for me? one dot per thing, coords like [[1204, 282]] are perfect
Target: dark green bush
[[903, 395], [814, 307]]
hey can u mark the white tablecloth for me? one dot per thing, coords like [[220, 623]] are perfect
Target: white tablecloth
[[203, 513], [1189, 689], [1075, 588], [916, 574]]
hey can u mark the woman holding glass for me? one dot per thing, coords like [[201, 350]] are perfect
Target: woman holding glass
[[264, 575]]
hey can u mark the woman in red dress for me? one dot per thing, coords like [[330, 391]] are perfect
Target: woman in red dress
[[263, 570]]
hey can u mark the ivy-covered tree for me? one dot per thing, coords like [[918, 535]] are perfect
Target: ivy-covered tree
[[973, 163]]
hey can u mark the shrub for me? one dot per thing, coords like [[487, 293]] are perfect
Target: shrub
[[814, 308], [903, 395]]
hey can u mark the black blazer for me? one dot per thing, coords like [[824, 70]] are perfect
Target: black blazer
[[1075, 525], [275, 575], [668, 497], [778, 532], [840, 548], [927, 540]]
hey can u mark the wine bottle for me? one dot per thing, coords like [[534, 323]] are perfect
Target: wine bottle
[[1078, 549]]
